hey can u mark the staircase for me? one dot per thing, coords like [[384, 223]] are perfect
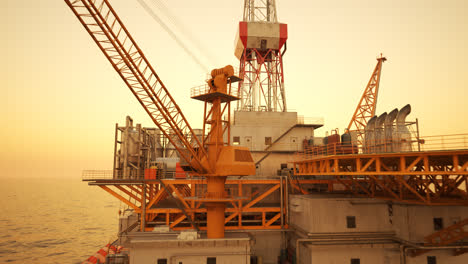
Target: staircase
[[446, 236], [273, 143]]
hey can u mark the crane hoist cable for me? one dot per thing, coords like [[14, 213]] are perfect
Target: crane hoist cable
[[176, 22], [172, 34]]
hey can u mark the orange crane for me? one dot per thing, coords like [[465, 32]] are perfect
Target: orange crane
[[368, 103], [211, 157]]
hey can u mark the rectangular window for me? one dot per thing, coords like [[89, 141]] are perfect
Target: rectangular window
[[267, 141], [210, 260], [438, 223], [351, 221], [431, 260], [236, 140], [162, 261], [284, 165], [355, 261]]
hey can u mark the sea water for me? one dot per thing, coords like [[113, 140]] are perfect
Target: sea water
[[54, 220]]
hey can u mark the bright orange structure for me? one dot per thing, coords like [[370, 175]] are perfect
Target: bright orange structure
[[212, 159], [223, 160], [249, 208], [367, 104]]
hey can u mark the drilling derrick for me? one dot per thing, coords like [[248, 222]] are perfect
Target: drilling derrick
[[260, 40]]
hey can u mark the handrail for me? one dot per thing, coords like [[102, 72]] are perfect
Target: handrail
[[426, 143]]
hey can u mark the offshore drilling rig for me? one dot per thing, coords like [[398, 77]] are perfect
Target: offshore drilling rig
[[260, 187]]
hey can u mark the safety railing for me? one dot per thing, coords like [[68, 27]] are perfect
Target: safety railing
[[395, 145], [97, 175], [445, 142], [304, 120], [90, 175], [205, 89]]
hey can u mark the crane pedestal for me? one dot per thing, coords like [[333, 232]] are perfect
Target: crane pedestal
[[222, 159]]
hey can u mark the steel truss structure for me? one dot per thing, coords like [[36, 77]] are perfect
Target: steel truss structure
[[431, 177], [255, 204], [113, 39], [367, 104], [451, 234], [262, 87]]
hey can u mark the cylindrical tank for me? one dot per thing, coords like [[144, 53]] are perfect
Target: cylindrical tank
[[325, 141], [305, 144], [333, 139], [346, 139]]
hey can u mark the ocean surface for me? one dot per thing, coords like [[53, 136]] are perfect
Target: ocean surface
[[54, 220]]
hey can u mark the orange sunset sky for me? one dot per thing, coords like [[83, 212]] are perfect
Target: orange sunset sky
[[61, 98]]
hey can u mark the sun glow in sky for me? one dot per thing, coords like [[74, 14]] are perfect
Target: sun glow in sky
[[61, 98]]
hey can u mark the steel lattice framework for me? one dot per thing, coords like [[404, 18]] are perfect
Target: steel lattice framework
[[368, 103], [261, 65], [249, 211], [260, 10], [430, 177], [262, 87], [107, 30]]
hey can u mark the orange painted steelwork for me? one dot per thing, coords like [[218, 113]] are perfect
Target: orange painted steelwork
[[107, 30], [256, 203], [427, 177], [446, 236], [223, 160], [211, 159], [367, 105]]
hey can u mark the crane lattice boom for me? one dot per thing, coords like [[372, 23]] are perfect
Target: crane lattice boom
[[107, 30], [367, 105]]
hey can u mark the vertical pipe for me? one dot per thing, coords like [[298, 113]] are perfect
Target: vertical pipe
[[125, 151], [115, 150], [282, 201], [287, 197], [417, 135], [229, 122], [143, 207]]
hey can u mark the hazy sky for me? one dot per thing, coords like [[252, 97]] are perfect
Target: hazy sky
[[61, 98]]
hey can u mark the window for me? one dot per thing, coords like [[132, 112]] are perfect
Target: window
[[210, 260], [253, 260], [267, 140], [351, 223], [355, 261], [284, 165], [438, 223], [162, 261], [263, 44], [236, 140], [431, 260]]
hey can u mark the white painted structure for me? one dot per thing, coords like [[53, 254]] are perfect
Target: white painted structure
[[275, 134], [379, 233], [149, 248]]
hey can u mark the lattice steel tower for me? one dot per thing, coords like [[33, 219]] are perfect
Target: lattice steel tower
[[260, 40]]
